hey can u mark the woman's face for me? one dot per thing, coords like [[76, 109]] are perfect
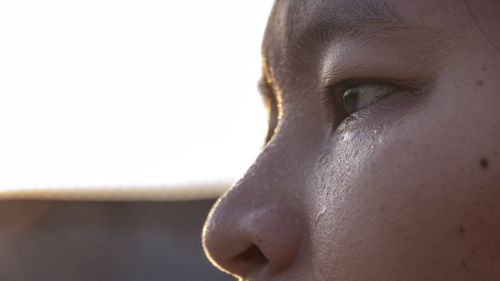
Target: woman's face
[[385, 163]]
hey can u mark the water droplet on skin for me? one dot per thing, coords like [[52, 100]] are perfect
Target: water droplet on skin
[[320, 213], [347, 136], [341, 127], [380, 139]]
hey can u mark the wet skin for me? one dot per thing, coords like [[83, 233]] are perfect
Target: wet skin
[[404, 187]]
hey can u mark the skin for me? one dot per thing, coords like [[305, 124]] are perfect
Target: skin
[[406, 188]]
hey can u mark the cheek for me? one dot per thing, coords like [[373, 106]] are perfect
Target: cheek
[[410, 199]]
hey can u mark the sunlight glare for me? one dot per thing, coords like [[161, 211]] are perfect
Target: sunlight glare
[[107, 92]]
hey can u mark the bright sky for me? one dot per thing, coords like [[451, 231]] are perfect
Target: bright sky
[[129, 92]]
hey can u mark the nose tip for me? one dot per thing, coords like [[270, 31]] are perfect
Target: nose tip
[[249, 239]]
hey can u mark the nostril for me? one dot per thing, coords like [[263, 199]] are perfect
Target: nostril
[[248, 242], [248, 262], [251, 258]]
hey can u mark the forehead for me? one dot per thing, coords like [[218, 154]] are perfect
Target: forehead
[[295, 22], [291, 18], [297, 28]]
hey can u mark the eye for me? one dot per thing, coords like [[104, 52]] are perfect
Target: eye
[[346, 97], [362, 95]]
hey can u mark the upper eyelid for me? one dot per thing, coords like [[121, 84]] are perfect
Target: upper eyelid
[[407, 85], [332, 93], [352, 82]]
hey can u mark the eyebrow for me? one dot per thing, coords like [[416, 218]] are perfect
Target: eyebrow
[[345, 20]]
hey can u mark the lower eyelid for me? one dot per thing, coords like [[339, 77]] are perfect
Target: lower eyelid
[[383, 111], [401, 102]]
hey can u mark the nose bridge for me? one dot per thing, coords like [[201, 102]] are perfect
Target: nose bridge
[[256, 225], [271, 176]]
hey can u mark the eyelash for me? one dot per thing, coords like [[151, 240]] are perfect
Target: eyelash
[[333, 96]]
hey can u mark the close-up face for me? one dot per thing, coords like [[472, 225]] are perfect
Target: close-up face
[[382, 160]]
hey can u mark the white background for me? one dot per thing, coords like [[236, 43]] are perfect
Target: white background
[[137, 92]]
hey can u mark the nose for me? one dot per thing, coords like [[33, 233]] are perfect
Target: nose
[[250, 232]]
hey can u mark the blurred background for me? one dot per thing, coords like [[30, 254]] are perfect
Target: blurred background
[[120, 124]]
